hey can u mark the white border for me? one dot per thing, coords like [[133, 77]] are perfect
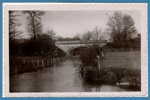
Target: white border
[[142, 7]]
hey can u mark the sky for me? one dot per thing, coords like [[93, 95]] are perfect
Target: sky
[[72, 23]]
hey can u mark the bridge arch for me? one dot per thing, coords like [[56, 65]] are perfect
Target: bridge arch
[[77, 50], [69, 46]]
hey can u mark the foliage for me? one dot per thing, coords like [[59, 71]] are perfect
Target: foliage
[[88, 56], [113, 76], [42, 46], [77, 51], [15, 47], [134, 43]]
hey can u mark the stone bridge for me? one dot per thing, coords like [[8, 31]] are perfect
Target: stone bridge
[[67, 46]]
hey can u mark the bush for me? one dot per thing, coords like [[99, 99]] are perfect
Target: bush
[[112, 76], [109, 78], [44, 45], [88, 56]]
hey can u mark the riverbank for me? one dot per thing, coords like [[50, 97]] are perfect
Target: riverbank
[[23, 64], [63, 77], [121, 69]]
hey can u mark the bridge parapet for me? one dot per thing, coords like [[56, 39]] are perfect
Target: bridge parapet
[[80, 42]]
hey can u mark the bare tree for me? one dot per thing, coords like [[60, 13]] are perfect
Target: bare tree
[[51, 34], [121, 27], [97, 34], [34, 22], [13, 24], [129, 29], [87, 36]]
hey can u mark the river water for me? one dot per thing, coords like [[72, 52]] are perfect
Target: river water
[[62, 77]]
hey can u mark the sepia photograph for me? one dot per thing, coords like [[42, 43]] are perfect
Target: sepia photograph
[[75, 48]]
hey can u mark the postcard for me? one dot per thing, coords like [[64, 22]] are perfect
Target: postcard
[[75, 50]]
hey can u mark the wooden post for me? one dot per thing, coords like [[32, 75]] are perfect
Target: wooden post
[[99, 63]]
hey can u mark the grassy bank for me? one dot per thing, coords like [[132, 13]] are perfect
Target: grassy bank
[[121, 69], [125, 59]]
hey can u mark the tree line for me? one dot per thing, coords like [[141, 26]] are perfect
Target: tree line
[[120, 29], [39, 43], [120, 32]]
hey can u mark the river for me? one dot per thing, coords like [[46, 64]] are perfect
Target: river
[[62, 77]]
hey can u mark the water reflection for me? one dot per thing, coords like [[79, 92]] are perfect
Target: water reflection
[[63, 77]]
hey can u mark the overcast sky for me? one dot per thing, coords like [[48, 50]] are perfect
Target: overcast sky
[[71, 23]]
